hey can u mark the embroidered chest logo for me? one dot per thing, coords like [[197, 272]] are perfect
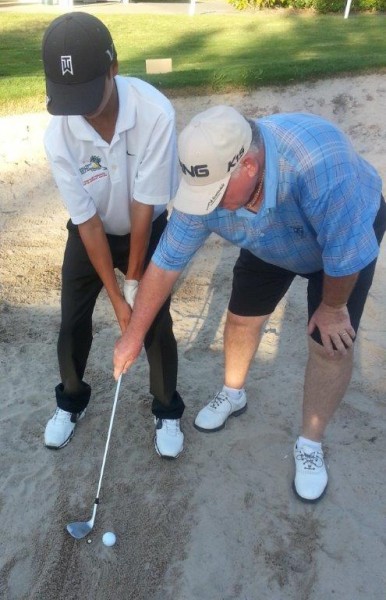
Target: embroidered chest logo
[[93, 165], [66, 63], [298, 230]]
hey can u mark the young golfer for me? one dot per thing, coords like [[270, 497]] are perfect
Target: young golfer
[[112, 147]]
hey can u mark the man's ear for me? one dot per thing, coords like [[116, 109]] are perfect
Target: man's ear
[[250, 164], [113, 69]]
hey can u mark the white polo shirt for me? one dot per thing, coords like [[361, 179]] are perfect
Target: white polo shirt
[[140, 163]]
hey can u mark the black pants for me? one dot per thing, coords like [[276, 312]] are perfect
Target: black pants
[[81, 286]]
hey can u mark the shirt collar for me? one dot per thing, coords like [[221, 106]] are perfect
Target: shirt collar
[[126, 115], [271, 168], [127, 108]]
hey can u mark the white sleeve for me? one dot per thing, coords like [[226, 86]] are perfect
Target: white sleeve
[[156, 181], [78, 202]]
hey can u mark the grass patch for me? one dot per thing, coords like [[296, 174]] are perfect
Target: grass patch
[[211, 53]]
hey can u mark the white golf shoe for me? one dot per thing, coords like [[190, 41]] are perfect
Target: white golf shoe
[[215, 414], [60, 428], [168, 439], [311, 478]]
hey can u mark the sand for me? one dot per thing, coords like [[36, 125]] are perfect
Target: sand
[[221, 522]]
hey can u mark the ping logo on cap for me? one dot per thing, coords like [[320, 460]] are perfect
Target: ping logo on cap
[[203, 170], [195, 170], [66, 63]]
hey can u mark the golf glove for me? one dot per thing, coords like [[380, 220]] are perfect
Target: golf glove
[[130, 288]]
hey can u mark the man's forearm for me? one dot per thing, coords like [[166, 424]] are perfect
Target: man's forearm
[[155, 287], [337, 290]]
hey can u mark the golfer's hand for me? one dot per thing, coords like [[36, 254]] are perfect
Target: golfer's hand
[[123, 313], [335, 328], [130, 289], [126, 353]]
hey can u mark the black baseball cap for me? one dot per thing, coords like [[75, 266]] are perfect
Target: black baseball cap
[[77, 53]]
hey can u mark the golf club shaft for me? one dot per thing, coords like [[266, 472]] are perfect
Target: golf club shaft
[[107, 441]]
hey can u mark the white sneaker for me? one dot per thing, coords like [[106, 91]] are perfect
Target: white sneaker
[[168, 439], [60, 428], [215, 414], [311, 476]]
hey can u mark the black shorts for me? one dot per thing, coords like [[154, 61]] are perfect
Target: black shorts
[[259, 286]]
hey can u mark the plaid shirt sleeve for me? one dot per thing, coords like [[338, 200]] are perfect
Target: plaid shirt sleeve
[[183, 236]]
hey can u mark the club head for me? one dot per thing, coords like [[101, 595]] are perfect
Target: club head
[[80, 529]]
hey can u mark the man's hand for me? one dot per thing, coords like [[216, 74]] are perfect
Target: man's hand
[[126, 353], [335, 328], [154, 289]]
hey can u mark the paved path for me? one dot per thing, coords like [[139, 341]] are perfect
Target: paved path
[[112, 6]]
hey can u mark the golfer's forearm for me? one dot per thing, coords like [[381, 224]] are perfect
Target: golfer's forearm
[[94, 239], [337, 290], [156, 285], [141, 216]]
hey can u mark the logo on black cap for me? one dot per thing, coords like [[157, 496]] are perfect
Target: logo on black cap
[[66, 62]]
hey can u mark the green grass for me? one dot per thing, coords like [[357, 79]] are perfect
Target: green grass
[[211, 53]]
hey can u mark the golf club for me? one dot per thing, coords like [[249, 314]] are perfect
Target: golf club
[[80, 529]]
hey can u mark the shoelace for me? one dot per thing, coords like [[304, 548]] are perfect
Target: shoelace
[[61, 415], [218, 400], [64, 416], [311, 459], [172, 425]]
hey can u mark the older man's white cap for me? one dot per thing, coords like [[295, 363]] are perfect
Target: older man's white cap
[[210, 148]]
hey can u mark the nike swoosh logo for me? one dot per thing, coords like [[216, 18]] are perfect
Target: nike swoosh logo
[[128, 153]]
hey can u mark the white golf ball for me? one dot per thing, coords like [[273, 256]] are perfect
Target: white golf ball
[[109, 538]]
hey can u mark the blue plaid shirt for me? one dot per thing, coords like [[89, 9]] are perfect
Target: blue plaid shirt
[[320, 202]]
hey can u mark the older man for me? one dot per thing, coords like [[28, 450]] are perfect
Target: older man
[[290, 190]]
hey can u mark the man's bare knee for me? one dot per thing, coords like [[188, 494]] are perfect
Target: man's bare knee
[[318, 351], [255, 324]]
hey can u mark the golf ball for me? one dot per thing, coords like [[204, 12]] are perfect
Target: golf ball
[[109, 538]]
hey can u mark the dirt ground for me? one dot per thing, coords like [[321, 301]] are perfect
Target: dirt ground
[[221, 522]]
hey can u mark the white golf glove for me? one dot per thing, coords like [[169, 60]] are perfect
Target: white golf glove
[[130, 288]]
